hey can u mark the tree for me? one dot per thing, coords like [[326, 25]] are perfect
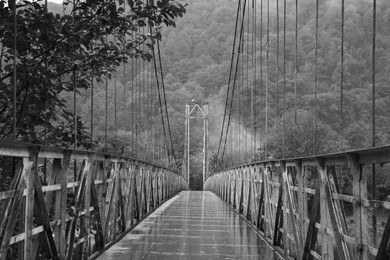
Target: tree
[[57, 54]]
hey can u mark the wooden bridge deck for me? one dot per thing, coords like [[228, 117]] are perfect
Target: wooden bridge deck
[[192, 225]]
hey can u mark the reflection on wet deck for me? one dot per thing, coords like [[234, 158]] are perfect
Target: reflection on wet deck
[[192, 225]]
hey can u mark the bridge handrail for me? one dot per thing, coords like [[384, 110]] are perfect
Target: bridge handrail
[[82, 208], [322, 206], [365, 156], [22, 149]]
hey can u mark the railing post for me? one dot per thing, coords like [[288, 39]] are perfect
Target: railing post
[[260, 217], [60, 203], [241, 192], [280, 216], [230, 188], [290, 203], [234, 204], [283, 189], [255, 193], [29, 210], [249, 194], [327, 242], [107, 204], [244, 192], [151, 187], [268, 223], [333, 216], [301, 198], [252, 172], [87, 203], [359, 210]]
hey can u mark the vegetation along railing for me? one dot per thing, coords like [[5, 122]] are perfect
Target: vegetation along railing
[[68, 204], [320, 207]]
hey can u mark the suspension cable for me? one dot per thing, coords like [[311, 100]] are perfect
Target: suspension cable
[[261, 79], [316, 82], [74, 94], [254, 66], [239, 70], [231, 159], [148, 106], [115, 104], [165, 104], [159, 95], [374, 220], [142, 87], [138, 125], [154, 123], [240, 97], [74, 106], [239, 108], [124, 106], [92, 108], [230, 76], [266, 86], [14, 134], [153, 101], [284, 78], [124, 89], [277, 77], [132, 100], [235, 75], [237, 135], [342, 75], [295, 77], [92, 94], [106, 108], [373, 75], [247, 86]]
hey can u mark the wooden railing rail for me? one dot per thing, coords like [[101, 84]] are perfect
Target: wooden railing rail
[[318, 207], [74, 218]]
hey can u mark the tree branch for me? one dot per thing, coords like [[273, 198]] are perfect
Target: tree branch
[[21, 110]]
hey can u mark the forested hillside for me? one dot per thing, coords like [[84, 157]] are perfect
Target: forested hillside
[[196, 59], [197, 55]]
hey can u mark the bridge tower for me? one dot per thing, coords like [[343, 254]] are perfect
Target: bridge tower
[[196, 111]]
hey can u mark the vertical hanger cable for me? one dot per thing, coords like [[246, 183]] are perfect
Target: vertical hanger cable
[[316, 81], [295, 77], [277, 77], [230, 77]]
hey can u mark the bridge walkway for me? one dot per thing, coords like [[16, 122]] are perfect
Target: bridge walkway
[[191, 225]]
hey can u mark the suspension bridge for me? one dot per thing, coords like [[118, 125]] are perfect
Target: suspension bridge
[[114, 188]]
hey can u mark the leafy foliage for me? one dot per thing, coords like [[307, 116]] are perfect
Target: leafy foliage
[[62, 53]]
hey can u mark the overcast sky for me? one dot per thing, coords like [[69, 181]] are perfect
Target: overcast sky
[[56, 1]]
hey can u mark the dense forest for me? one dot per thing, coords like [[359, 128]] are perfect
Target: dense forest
[[196, 58]]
